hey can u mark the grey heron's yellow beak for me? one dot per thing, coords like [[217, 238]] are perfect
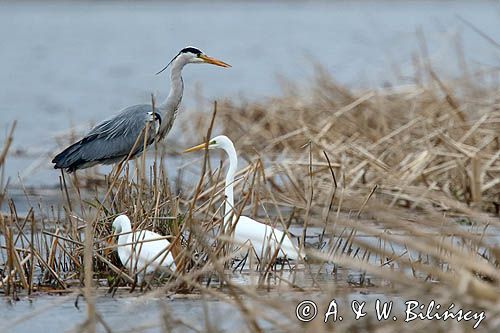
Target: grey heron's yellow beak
[[213, 61], [195, 148]]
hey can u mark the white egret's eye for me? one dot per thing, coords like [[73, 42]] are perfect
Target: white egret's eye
[[213, 142]]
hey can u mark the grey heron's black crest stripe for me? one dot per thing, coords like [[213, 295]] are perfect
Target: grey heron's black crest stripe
[[188, 49], [191, 49], [168, 64]]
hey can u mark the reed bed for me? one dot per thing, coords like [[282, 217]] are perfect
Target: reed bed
[[391, 191]]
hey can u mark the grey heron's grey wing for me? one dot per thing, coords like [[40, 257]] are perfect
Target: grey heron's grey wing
[[129, 121], [116, 137], [110, 140]]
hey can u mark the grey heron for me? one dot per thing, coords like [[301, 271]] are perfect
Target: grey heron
[[247, 231], [114, 139]]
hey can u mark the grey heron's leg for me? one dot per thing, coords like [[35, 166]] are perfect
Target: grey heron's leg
[[75, 182], [119, 167]]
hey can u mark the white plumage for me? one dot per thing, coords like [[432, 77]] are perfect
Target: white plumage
[[248, 231], [141, 249], [261, 236]]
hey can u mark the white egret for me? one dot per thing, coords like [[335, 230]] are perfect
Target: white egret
[[248, 231], [143, 250], [114, 139]]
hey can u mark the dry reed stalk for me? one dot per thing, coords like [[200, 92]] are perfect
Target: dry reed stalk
[[414, 216], [90, 323], [7, 143]]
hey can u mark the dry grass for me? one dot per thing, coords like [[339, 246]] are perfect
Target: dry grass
[[398, 187], [420, 138]]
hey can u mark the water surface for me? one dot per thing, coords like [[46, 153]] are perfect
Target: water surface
[[73, 64]]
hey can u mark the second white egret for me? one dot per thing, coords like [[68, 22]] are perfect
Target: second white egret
[[143, 250]]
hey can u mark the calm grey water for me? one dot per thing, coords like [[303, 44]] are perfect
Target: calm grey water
[[145, 314], [73, 64], [122, 314]]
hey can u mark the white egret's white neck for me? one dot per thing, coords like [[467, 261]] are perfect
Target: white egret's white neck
[[169, 107], [124, 228], [228, 147]]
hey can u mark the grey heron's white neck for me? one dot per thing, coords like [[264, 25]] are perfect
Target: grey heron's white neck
[[169, 107], [231, 172]]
